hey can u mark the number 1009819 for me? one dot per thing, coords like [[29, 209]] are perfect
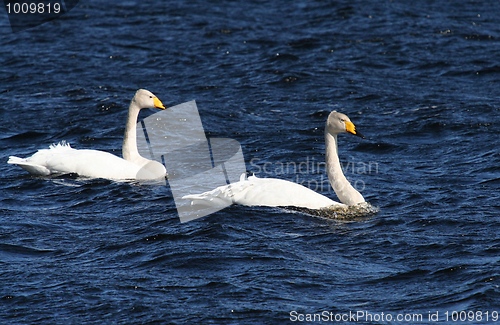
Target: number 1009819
[[26, 8]]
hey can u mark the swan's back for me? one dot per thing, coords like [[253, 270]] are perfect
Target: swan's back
[[278, 192]]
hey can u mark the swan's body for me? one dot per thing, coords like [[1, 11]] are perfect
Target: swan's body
[[271, 192], [62, 159], [254, 191]]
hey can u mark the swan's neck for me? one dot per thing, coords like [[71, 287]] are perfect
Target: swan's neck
[[129, 148], [344, 190]]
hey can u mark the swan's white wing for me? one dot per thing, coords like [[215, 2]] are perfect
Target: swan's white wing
[[93, 163], [62, 159], [256, 191]]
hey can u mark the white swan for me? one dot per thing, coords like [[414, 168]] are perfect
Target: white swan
[[62, 159], [254, 191]]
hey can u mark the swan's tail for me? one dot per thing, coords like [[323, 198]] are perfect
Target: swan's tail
[[219, 197], [13, 160], [28, 166]]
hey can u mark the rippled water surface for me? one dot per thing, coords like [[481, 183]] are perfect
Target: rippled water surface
[[421, 80]]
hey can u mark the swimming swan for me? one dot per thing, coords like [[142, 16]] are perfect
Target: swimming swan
[[254, 191], [62, 159]]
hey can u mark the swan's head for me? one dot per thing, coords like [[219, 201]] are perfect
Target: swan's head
[[146, 99], [339, 123]]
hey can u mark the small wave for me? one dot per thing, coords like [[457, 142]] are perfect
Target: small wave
[[20, 250], [24, 136], [490, 181]]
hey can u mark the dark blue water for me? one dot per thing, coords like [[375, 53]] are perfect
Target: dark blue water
[[421, 80]]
